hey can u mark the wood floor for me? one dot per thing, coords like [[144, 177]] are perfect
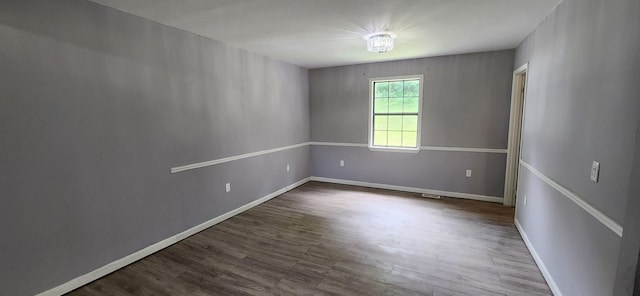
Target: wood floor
[[327, 239]]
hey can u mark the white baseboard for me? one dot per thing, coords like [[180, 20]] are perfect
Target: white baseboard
[[411, 189], [543, 268], [120, 263]]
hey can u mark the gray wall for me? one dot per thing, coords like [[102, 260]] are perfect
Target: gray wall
[[627, 272], [97, 105], [466, 103], [582, 105]]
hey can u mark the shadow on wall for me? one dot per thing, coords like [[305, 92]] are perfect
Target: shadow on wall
[[636, 289], [104, 30]]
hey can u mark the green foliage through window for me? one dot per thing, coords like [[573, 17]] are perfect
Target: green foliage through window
[[395, 113]]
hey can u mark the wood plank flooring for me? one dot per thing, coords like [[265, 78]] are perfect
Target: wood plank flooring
[[327, 239]]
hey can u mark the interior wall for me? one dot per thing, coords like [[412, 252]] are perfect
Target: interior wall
[[636, 290], [627, 271], [96, 107], [466, 101], [581, 105]]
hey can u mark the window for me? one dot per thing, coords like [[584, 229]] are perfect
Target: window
[[394, 121]]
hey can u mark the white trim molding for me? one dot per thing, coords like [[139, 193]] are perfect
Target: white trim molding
[[604, 219], [338, 144], [463, 149], [203, 164], [425, 148], [516, 124], [522, 68], [232, 158], [410, 189], [543, 268], [120, 263]]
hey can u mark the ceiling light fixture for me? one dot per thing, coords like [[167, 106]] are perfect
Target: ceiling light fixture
[[380, 43]]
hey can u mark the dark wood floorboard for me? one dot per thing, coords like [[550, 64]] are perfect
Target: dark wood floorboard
[[327, 239]]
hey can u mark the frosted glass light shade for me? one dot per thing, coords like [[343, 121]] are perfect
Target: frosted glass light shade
[[380, 43]]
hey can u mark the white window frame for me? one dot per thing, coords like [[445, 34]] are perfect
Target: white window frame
[[372, 82]]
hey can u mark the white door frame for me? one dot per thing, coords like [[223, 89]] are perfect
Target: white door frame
[[518, 94]]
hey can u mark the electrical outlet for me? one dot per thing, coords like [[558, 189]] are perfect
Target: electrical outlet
[[468, 174], [287, 168], [341, 162], [595, 171], [227, 187], [525, 199]]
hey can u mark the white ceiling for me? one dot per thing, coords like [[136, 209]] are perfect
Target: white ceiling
[[323, 33]]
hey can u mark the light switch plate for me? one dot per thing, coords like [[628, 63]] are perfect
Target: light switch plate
[[287, 168], [342, 163], [595, 171], [468, 174], [227, 187]]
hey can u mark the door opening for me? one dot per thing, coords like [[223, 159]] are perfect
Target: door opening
[[518, 94]]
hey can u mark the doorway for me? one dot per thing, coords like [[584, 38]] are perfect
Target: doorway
[[518, 94]]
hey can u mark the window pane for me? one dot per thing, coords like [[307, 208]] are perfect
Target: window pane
[[411, 104], [395, 123], [409, 139], [380, 138], [411, 88], [395, 105], [410, 123], [395, 89], [380, 123], [382, 89], [395, 139], [381, 105]]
